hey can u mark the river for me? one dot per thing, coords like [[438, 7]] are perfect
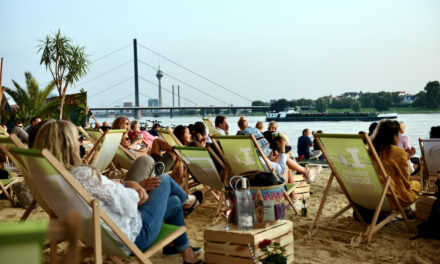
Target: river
[[417, 125]]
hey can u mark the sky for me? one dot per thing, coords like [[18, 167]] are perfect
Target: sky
[[261, 50]]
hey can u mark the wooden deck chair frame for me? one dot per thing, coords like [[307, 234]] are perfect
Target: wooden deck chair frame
[[11, 140], [427, 174], [251, 137], [72, 187], [375, 225], [94, 153], [215, 188], [210, 126], [85, 133]]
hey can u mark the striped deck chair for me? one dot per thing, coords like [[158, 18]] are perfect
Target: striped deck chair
[[211, 128], [64, 194], [430, 149], [11, 165], [357, 167], [104, 149], [238, 153]]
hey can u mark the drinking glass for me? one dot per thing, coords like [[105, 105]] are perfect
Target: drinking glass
[[226, 210]]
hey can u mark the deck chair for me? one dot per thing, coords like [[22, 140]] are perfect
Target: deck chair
[[104, 149], [430, 149], [357, 167], [5, 184], [211, 128], [169, 137], [238, 152], [64, 194], [200, 163], [3, 132], [92, 134]]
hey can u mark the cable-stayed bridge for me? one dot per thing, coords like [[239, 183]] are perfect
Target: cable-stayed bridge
[[189, 88]]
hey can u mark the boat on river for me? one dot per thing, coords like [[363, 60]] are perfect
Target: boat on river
[[292, 116]]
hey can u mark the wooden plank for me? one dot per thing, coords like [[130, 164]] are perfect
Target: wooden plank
[[274, 232], [229, 249], [221, 259], [302, 195]]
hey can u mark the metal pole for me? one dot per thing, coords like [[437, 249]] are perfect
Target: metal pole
[[173, 95], [171, 112], [137, 113], [178, 95]]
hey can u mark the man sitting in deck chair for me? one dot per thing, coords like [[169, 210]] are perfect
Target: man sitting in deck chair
[[138, 214]]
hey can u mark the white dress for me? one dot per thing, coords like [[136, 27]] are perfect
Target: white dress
[[118, 201]]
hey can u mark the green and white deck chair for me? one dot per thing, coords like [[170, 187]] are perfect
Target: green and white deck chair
[[123, 158], [85, 133], [170, 138], [5, 184], [356, 166], [430, 149], [3, 132], [104, 149], [64, 194], [211, 128], [92, 134], [239, 154], [5, 145], [22, 242], [200, 164]]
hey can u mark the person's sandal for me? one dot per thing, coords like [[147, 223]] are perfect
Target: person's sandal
[[171, 251], [199, 198]]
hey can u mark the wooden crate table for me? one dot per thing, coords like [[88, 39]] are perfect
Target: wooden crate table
[[423, 207], [231, 246]]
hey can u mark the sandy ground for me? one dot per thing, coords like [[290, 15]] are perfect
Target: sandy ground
[[390, 245]]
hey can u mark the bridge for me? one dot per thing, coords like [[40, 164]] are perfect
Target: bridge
[[136, 109], [199, 90]]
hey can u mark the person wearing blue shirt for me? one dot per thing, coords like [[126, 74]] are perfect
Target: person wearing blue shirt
[[304, 144]]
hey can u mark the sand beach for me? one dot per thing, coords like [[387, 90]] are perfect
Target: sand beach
[[391, 244]]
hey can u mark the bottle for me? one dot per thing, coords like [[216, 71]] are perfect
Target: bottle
[[304, 208], [245, 207]]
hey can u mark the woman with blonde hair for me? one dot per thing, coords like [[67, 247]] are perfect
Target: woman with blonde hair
[[139, 214]]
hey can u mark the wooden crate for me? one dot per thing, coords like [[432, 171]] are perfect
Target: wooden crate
[[231, 246], [302, 188], [423, 207]]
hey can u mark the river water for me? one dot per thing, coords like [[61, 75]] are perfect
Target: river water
[[417, 125]]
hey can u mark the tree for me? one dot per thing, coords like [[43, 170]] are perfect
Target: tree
[[382, 101], [432, 94], [66, 62], [356, 106], [420, 99], [279, 105], [31, 101], [321, 105], [258, 103]]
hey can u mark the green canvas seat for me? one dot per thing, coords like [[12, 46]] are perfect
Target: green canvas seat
[[169, 137], [22, 242], [63, 194], [356, 166], [210, 126], [240, 155], [104, 148]]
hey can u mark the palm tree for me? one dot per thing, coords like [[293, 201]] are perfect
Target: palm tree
[[66, 62], [31, 101]]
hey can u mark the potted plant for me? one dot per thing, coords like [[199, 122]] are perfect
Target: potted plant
[[274, 253]]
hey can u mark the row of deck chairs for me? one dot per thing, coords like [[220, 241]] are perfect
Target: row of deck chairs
[[355, 166]]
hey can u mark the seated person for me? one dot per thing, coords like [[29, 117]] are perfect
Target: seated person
[[133, 146], [199, 136], [20, 133], [121, 122], [395, 162], [221, 124], [273, 127], [247, 130], [260, 126], [304, 144], [137, 213], [371, 129], [154, 131], [435, 132], [135, 132]]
